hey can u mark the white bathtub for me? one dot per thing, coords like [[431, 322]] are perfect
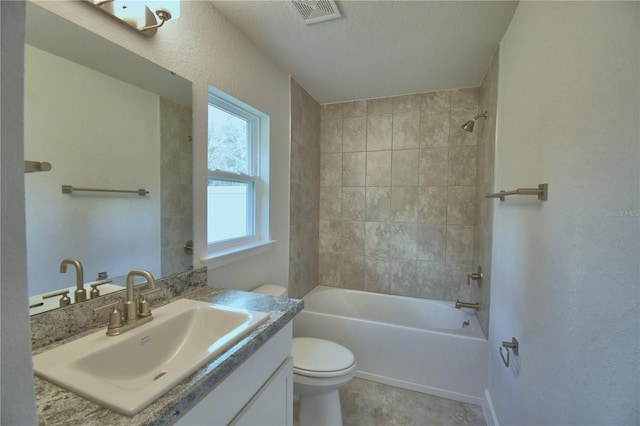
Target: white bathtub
[[411, 343]]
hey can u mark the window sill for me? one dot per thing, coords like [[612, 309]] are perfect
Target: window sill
[[235, 254]]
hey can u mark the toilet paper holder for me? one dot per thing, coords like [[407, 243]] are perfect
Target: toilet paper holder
[[509, 346]]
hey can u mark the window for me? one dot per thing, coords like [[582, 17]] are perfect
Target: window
[[237, 179]]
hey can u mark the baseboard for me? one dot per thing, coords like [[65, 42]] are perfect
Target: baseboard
[[489, 411], [443, 393]]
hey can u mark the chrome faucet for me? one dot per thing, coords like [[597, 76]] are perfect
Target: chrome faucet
[[80, 293], [469, 305], [134, 314]]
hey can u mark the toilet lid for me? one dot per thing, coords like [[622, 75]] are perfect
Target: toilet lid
[[319, 356]]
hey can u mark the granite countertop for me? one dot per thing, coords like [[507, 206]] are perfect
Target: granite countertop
[[57, 406]]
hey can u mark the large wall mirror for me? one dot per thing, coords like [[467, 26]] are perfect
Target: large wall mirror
[[105, 119]]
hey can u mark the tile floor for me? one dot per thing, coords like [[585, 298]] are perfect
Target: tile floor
[[367, 403]]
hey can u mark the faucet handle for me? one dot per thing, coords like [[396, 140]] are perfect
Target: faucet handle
[[476, 276], [94, 290], [144, 310], [115, 316], [65, 300]]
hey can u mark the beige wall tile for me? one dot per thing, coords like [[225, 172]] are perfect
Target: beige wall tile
[[378, 204], [402, 240], [380, 106], [379, 132], [465, 96], [354, 168], [459, 244], [331, 111], [462, 165], [407, 103], [436, 102], [404, 167], [376, 239], [354, 134], [434, 167], [434, 129], [331, 169], [405, 195], [352, 238], [328, 269], [331, 136], [353, 202], [378, 168], [352, 272], [406, 130], [329, 240], [461, 205], [354, 109], [404, 204], [432, 243], [431, 280], [403, 277], [456, 287], [330, 202], [432, 205], [376, 274]]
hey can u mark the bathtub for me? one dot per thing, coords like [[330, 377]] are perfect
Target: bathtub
[[422, 345]]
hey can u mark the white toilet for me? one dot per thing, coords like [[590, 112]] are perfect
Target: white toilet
[[320, 368]]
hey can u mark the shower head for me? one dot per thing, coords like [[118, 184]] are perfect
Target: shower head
[[468, 126]]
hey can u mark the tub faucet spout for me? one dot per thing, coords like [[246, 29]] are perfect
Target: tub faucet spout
[[475, 306]]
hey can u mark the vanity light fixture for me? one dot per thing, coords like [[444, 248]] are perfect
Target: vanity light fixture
[[139, 15]]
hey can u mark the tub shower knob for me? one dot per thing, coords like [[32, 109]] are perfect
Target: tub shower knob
[[476, 276]]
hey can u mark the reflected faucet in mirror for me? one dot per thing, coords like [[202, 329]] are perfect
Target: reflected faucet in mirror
[[80, 294]]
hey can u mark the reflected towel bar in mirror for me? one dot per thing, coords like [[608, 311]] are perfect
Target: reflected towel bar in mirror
[[68, 189], [542, 191]]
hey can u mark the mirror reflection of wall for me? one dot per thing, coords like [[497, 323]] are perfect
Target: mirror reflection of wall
[[99, 131]]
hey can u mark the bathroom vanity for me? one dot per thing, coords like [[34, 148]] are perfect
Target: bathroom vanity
[[250, 383]]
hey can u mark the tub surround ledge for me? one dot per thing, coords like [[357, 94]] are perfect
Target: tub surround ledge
[[57, 406]]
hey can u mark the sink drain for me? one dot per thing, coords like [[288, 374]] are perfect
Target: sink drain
[[160, 375]]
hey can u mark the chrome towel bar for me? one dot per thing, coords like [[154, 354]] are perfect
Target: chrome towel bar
[[68, 189], [542, 191]]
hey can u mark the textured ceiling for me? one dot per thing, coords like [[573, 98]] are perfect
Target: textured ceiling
[[377, 48]]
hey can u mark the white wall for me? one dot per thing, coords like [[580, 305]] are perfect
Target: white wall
[[104, 133], [565, 271], [17, 393]]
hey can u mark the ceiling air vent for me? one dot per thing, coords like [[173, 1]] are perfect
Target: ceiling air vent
[[313, 11]]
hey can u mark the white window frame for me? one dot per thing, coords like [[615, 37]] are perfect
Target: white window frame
[[223, 252]]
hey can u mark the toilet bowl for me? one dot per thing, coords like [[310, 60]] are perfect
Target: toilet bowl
[[320, 369]]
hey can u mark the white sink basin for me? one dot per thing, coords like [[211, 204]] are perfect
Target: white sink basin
[[128, 372]]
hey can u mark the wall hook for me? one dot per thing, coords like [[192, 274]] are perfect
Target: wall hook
[[509, 346]]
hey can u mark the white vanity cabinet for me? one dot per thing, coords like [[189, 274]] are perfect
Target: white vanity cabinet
[[258, 392]]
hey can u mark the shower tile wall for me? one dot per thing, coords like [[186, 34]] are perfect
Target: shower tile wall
[[305, 192], [397, 194]]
